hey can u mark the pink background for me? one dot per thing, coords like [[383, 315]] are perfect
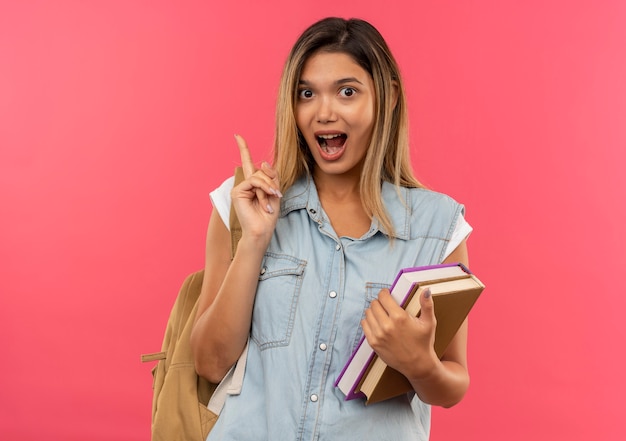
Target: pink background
[[117, 119]]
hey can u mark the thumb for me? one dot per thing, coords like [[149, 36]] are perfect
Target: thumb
[[427, 312]]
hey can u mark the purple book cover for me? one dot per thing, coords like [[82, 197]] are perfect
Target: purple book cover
[[352, 395]]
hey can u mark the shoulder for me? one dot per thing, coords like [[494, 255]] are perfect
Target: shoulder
[[443, 210], [425, 198], [419, 201], [438, 210], [420, 211], [220, 198]]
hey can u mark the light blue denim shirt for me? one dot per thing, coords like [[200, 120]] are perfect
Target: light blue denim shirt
[[313, 290]]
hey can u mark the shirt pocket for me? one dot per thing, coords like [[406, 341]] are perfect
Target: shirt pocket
[[371, 292], [276, 300]]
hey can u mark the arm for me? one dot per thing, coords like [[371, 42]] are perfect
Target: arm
[[407, 344], [228, 290]]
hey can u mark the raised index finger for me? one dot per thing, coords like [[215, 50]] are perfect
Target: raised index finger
[[246, 159]]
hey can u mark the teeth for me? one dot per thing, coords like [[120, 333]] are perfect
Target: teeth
[[328, 136]]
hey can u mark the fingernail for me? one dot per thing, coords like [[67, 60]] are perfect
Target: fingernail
[[270, 210], [277, 193], [427, 293]]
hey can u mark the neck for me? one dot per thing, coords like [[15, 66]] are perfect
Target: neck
[[342, 187], [340, 197]]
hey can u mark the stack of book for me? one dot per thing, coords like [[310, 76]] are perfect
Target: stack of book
[[454, 290]]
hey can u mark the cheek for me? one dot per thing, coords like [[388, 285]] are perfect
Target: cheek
[[363, 116], [364, 123], [301, 121]]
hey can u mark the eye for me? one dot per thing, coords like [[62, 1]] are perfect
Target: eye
[[347, 91], [305, 93]]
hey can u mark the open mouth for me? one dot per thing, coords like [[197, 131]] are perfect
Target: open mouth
[[332, 143]]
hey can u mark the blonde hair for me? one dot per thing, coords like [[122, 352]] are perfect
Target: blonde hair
[[387, 157]]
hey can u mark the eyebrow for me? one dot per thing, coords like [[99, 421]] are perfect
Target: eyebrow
[[336, 83]]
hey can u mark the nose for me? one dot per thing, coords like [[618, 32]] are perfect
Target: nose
[[325, 110]]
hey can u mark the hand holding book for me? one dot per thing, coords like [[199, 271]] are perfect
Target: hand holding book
[[401, 338], [454, 290]]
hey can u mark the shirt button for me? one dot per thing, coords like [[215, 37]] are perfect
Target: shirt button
[[263, 270], [337, 247], [332, 294], [323, 346], [314, 398]]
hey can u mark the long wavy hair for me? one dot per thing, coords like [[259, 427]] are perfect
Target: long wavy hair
[[387, 157]]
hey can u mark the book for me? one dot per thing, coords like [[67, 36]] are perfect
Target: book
[[452, 304], [401, 289], [453, 300]]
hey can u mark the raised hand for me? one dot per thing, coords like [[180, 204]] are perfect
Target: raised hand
[[257, 198]]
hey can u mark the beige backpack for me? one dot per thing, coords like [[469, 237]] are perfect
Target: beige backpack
[[180, 402]]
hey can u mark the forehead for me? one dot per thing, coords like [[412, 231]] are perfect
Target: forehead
[[331, 66]]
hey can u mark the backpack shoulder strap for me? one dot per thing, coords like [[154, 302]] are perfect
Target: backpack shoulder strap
[[235, 226]]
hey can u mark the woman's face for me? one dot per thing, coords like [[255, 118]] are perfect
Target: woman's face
[[335, 112]]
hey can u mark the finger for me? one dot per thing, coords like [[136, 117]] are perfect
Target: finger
[[389, 304], [377, 317], [273, 176], [248, 170], [427, 313], [386, 301], [377, 312], [246, 159], [371, 327], [263, 190]]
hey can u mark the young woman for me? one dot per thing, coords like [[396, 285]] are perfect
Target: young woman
[[325, 229]]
